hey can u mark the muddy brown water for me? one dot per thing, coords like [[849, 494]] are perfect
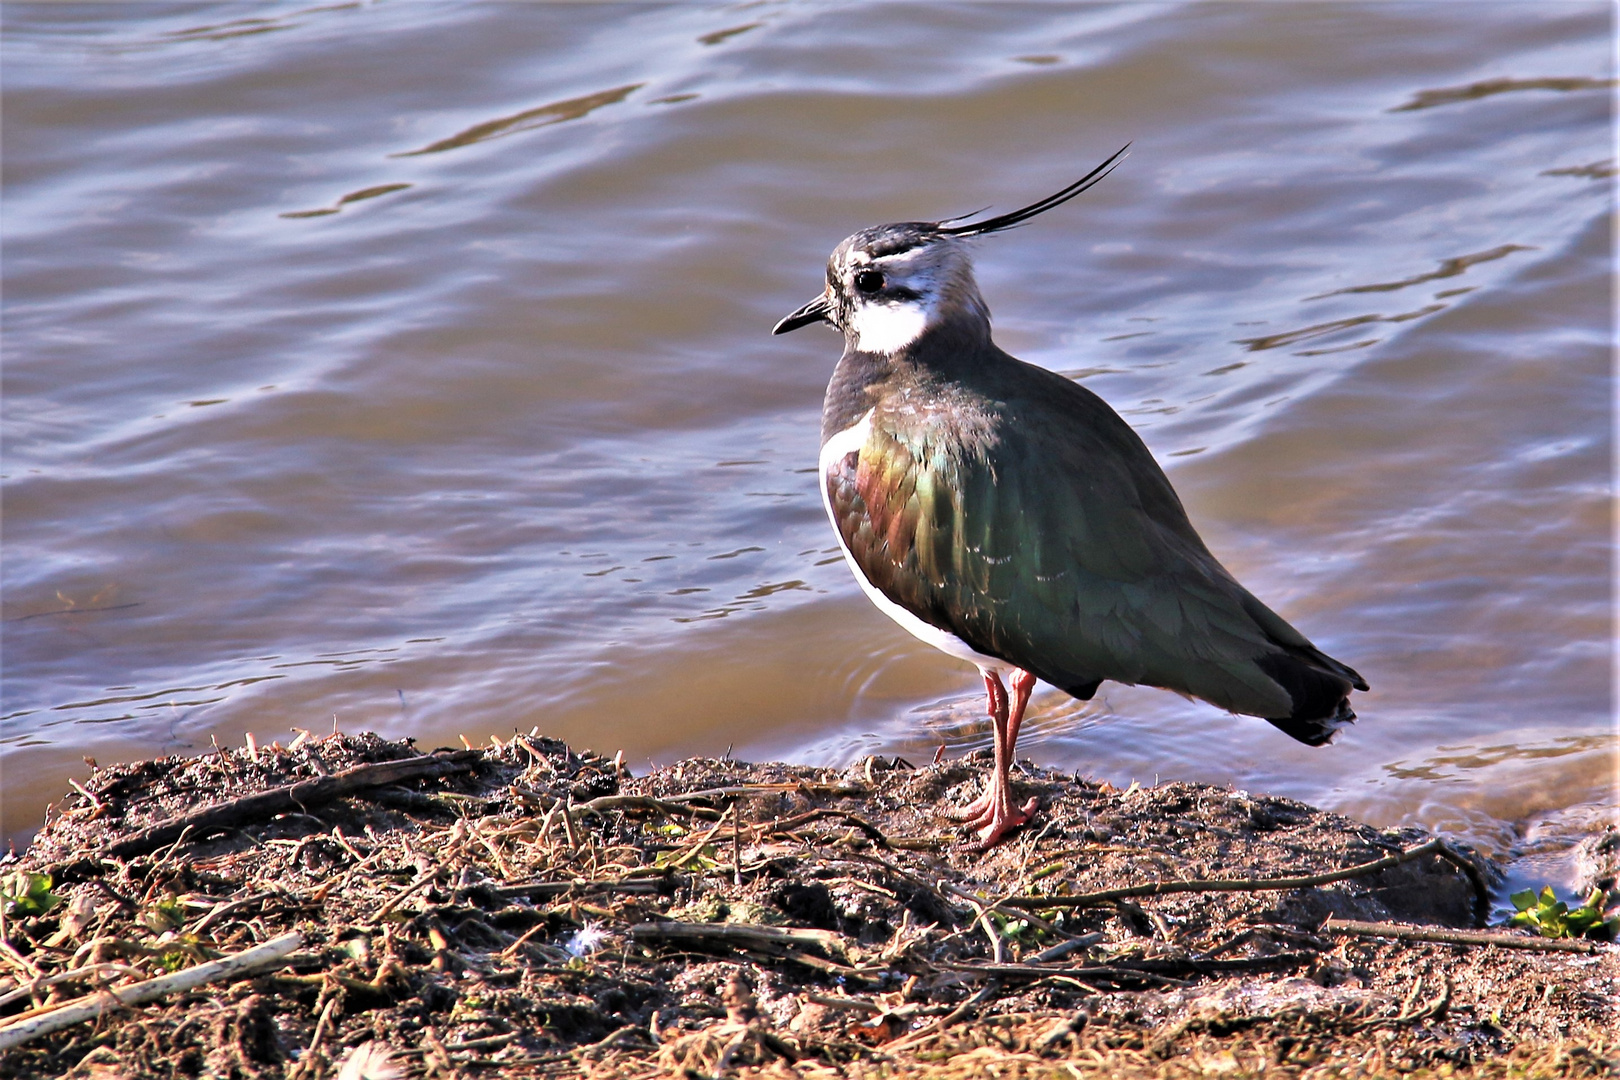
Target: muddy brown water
[[410, 364]]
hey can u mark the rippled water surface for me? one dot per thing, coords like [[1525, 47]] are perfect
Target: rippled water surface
[[411, 364]]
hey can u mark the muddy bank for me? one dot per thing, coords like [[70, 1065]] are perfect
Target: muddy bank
[[524, 910]]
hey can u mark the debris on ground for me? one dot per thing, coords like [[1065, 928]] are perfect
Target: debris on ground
[[351, 906]]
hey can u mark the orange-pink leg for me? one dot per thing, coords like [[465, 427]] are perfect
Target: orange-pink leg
[[993, 813]]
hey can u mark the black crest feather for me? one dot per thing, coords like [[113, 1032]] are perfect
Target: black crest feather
[[1018, 217]]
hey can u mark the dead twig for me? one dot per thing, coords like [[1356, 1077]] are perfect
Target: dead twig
[[981, 910], [742, 934], [1114, 973], [1443, 936], [1064, 948], [93, 971], [1436, 846], [911, 1042], [263, 805], [1411, 1012], [33, 1024], [604, 803], [546, 890], [427, 878], [1000, 907], [857, 1004], [310, 1061], [220, 910]]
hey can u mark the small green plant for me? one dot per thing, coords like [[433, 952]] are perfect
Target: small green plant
[[1019, 930], [28, 894], [168, 913], [706, 857], [1552, 918]]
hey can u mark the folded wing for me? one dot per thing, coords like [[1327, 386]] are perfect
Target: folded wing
[[1049, 538]]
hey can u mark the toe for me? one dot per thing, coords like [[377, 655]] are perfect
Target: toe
[[977, 811], [997, 827]]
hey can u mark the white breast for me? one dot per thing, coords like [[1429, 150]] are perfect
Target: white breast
[[833, 451]]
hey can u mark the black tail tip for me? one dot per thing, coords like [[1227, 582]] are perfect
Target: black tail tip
[[1320, 696], [1317, 731]]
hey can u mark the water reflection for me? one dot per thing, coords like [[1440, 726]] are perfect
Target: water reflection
[[557, 112], [1451, 95], [501, 440]]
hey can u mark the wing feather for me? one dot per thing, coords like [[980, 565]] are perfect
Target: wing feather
[[1049, 538]]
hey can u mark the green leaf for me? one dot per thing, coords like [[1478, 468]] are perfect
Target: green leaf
[[163, 915], [28, 894], [702, 858], [1551, 917]]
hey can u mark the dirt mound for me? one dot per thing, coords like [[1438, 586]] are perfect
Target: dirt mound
[[523, 910]]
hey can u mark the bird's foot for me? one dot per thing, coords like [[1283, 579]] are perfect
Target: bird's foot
[[993, 816], [1003, 820]]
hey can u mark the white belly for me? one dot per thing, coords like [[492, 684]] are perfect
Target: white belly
[[832, 452]]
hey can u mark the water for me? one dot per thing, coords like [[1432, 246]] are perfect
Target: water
[[410, 364]]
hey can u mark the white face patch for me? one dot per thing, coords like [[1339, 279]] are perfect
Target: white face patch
[[888, 327]]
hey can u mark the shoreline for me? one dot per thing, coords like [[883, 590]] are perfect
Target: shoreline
[[526, 910]]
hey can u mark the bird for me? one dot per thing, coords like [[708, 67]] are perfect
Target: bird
[[1009, 517]]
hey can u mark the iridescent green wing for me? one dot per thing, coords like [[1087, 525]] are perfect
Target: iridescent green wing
[[1043, 533]]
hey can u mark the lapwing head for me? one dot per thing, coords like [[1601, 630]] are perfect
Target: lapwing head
[[888, 285]]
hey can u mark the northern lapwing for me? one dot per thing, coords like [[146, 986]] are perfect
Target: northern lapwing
[[1007, 516]]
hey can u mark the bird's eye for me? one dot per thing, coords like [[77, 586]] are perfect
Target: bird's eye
[[869, 281]]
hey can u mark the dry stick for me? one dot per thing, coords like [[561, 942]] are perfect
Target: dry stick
[[1064, 948], [1436, 846], [568, 823], [91, 972], [545, 824], [545, 890], [262, 805], [646, 802], [324, 981], [676, 804], [436, 1051], [693, 848], [899, 872], [769, 789], [996, 905], [488, 1042], [1110, 972], [412, 889], [873, 833], [1454, 937], [162, 860], [224, 908], [981, 909], [740, 934], [1190, 965], [306, 1064], [55, 1018], [857, 1004], [9, 953], [989, 990], [517, 946]]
